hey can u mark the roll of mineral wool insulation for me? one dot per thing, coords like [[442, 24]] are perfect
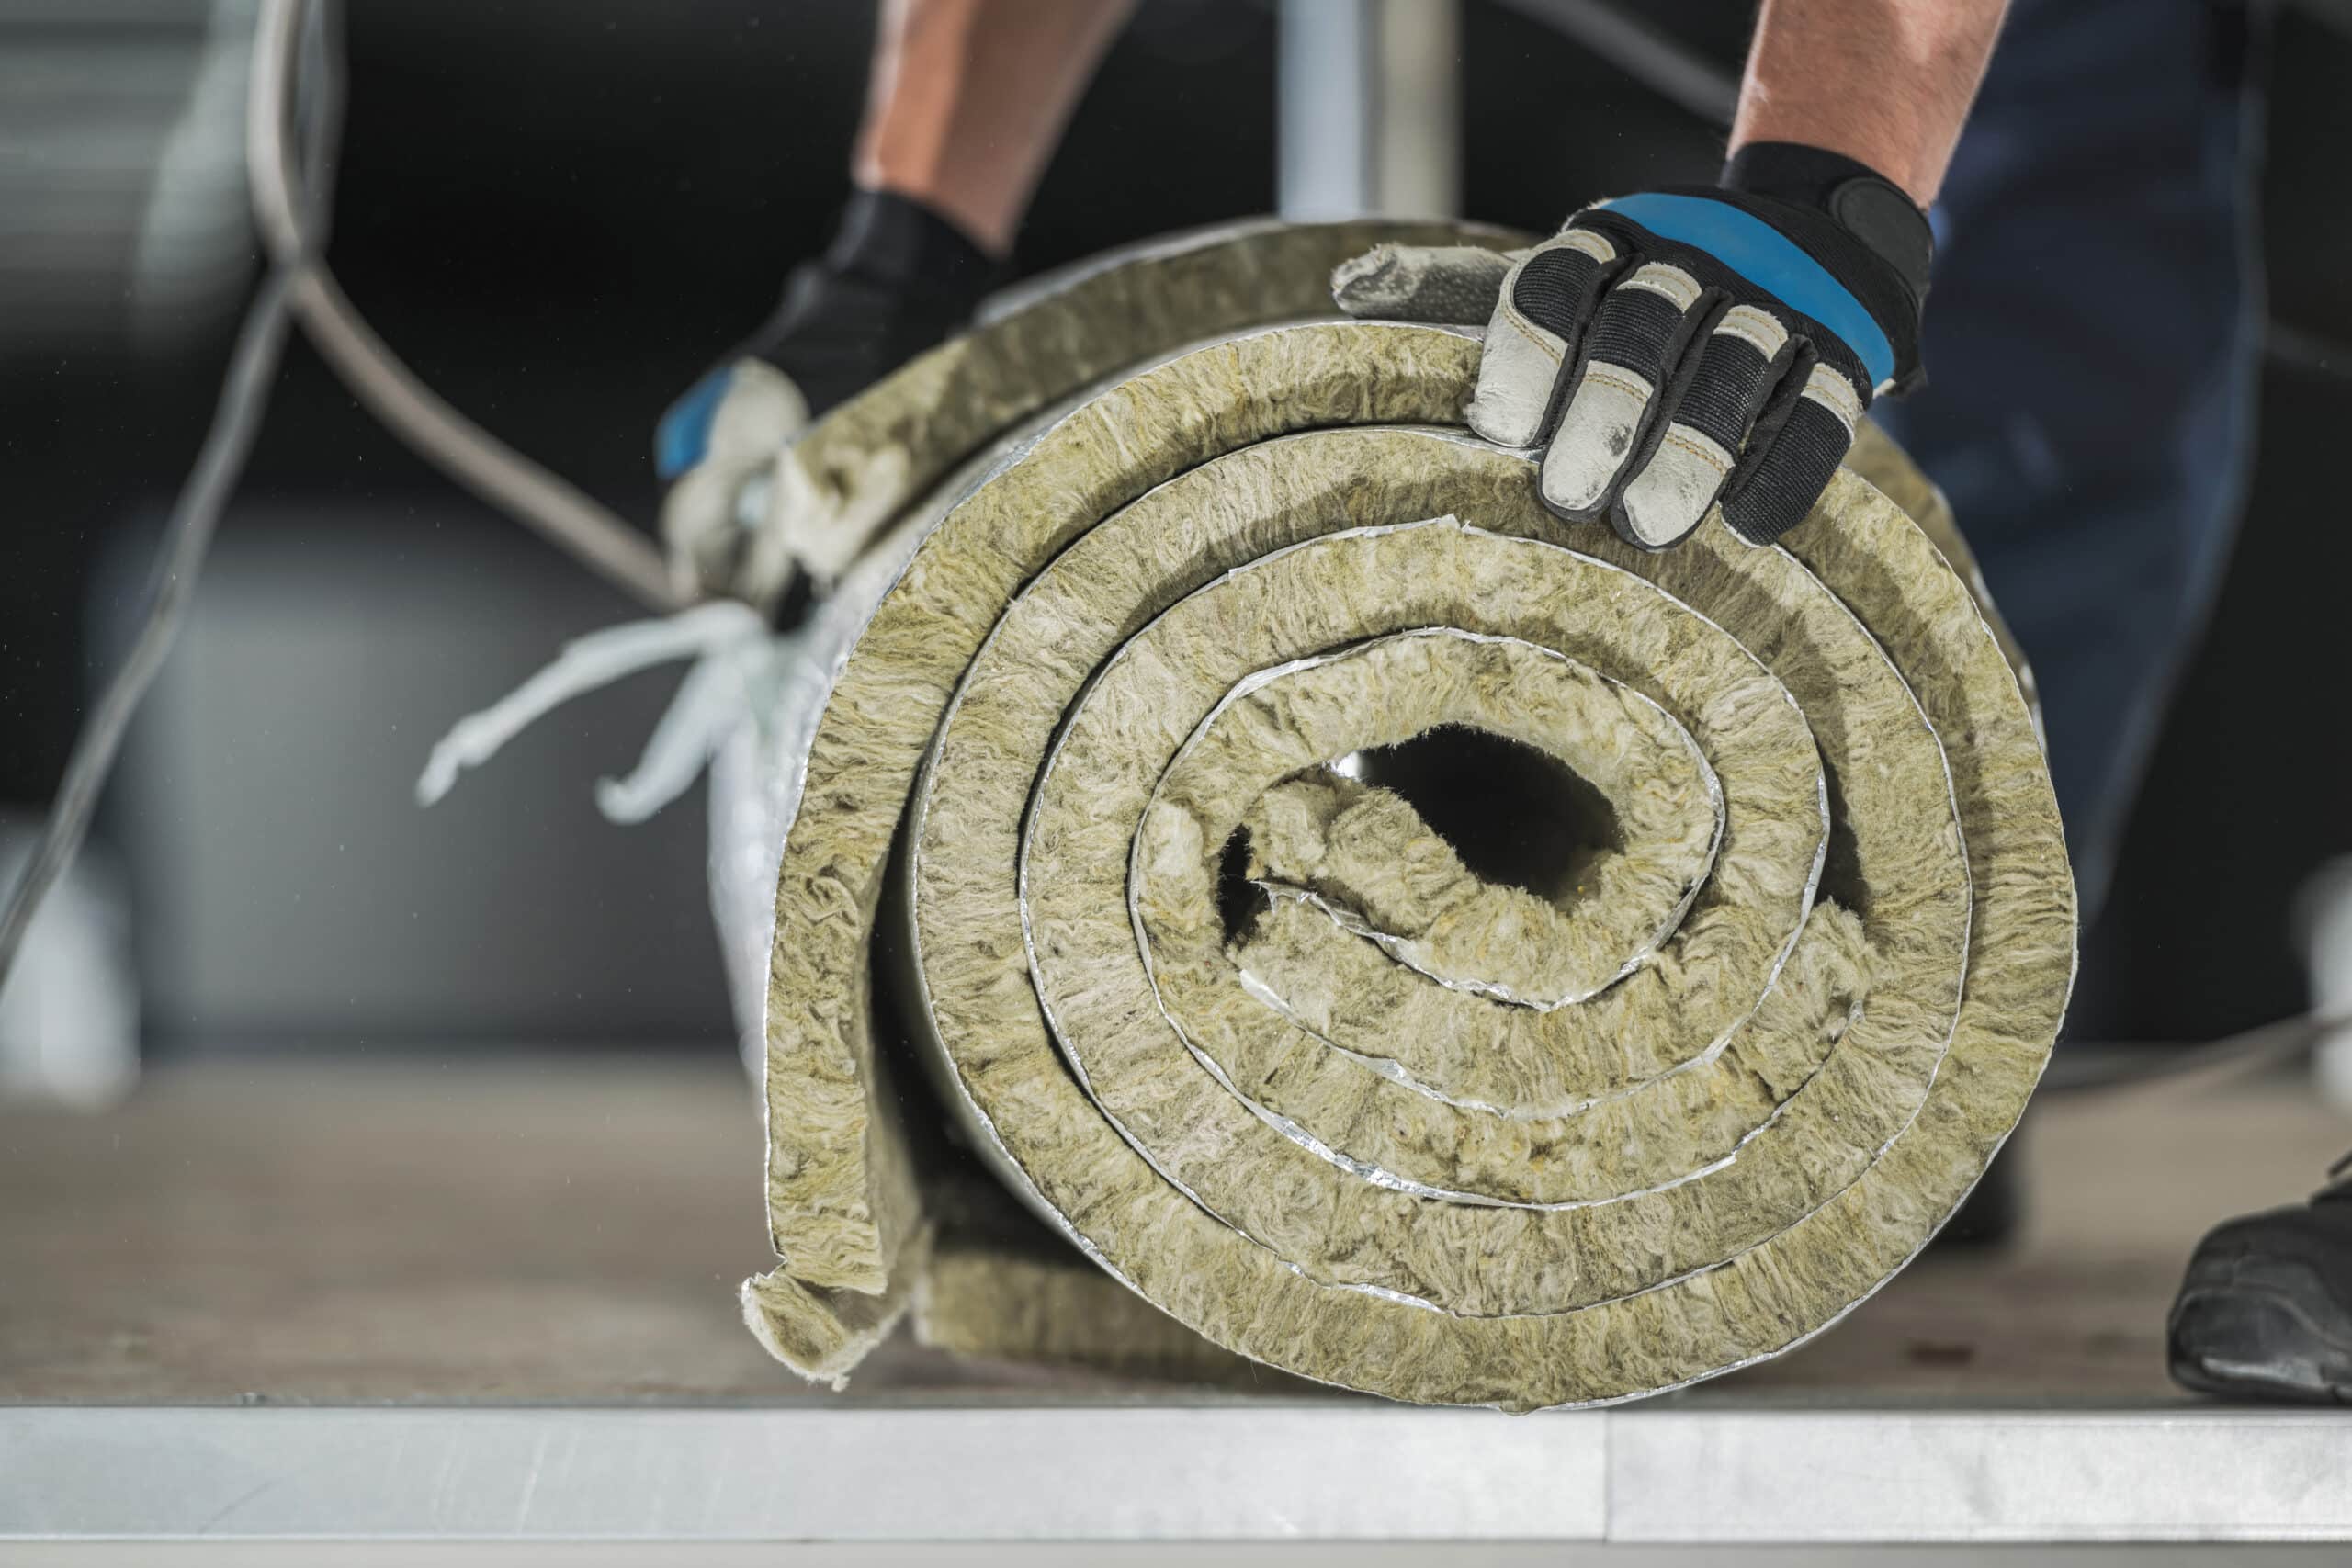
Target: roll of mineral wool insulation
[[1310, 1076]]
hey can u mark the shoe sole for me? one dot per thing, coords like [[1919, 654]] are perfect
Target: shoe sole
[[2256, 1328]]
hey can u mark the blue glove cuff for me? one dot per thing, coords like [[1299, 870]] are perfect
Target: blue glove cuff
[[684, 436], [1769, 259]]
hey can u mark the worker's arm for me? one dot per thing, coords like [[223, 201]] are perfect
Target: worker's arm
[[1674, 352], [1886, 83]]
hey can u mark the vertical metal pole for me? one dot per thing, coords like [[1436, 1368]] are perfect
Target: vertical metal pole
[[1324, 88], [1369, 112], [1417, 125]]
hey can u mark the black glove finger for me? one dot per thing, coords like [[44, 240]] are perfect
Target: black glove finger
[[1741, 360], [1545, 301], [1639, 338], [1801, 438]]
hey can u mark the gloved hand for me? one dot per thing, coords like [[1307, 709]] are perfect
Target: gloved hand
[[1671, 351], [898, 279]]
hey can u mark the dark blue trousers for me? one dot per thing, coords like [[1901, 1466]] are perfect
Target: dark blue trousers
[[2092, 346]]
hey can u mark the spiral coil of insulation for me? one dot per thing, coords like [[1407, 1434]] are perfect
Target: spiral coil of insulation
[[1239, 1020]]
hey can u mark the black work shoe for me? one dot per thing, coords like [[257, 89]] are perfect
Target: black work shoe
[[2266, 1311], [1993, 1211]]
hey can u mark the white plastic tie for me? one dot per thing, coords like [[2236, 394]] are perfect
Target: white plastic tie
[[731, 646]]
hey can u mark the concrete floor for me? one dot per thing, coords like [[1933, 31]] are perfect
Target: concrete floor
[[434, 1230], [524, 1237]]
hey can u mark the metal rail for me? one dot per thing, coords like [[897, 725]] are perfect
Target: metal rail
[[1340, 1470]]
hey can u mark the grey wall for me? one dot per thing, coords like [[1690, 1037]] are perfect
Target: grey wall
[[286, 886]]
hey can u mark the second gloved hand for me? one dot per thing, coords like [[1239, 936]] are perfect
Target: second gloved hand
[[1674, 351], [897, 280]]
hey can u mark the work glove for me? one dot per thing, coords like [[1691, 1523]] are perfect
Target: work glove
[[1677, 350], [897, 280]]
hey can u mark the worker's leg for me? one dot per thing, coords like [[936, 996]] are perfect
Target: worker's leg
[[965, 103], [2093, 339]]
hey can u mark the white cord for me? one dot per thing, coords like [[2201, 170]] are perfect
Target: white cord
[[289, 206], [195, 515], [291, 220], [730, 645]]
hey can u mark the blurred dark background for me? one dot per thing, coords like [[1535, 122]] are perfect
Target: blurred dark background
[[559, 215]]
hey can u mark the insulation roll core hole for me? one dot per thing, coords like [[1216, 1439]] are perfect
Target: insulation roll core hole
[[1514, 814]]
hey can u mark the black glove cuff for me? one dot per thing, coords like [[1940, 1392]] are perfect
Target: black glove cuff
[[1856, 223], [1871, 208], [896, 241]]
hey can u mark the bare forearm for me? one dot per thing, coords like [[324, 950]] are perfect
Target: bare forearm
[[968, 98], [1887, 82]]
